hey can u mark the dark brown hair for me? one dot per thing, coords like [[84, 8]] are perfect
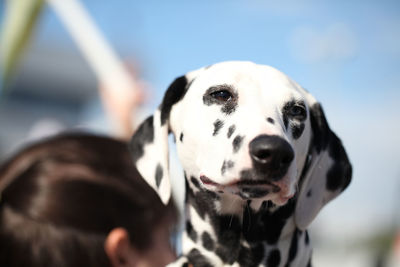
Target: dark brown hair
[[61, 197]]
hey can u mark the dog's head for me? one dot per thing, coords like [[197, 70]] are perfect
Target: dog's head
[[246, 130]]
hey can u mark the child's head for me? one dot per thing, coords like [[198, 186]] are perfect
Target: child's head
[[77, 200]]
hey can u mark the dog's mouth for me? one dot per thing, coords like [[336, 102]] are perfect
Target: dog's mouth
[[207, 181], [248, 189]]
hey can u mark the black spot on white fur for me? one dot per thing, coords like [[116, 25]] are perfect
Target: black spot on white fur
[[293, 247], [191, 232], [271, 120], [231, 130], [195, 182], [207, 241], [228, 164], [202, 201], [251, 256], [197, 259], [144, 135], [228, 231], [266, 225], [297, 129], [218, 124], [339, 175], [229, 108], [181, 137], [159, 175], [175, 92], [237, 143], [320, 128]]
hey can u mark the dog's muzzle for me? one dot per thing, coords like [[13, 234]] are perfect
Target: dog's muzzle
[[271, 156], [246, 189]]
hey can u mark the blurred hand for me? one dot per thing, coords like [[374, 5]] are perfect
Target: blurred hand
[[122, 107]]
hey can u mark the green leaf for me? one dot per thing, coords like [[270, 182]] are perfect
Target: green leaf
[[20, 19]]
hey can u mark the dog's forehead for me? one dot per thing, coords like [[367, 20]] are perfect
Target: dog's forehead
[[244, 76]]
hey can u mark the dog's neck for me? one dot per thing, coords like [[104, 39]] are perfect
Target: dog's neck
[[235, 229]]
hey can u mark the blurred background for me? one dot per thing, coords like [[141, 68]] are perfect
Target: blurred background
[[346, 53]]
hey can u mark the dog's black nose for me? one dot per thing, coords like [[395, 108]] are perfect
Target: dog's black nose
[[271, 155]]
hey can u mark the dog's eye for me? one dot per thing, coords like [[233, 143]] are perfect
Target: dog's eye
[[297, 112], [222, 95]]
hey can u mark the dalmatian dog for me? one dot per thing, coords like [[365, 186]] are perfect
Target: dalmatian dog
[[259, 159]]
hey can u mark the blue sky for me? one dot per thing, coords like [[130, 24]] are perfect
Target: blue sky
[[327, 46], [346, 53]]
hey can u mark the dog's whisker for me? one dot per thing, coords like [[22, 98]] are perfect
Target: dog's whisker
[[249, 214], [230, 222], [233, 204]]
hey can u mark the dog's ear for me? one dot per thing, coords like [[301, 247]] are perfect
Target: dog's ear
[[327, 171], [149, 144]]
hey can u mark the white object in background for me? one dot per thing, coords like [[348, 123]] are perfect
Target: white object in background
[[95, 48], [112, 75]]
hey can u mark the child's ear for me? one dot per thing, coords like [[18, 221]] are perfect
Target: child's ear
[[119, 250]]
